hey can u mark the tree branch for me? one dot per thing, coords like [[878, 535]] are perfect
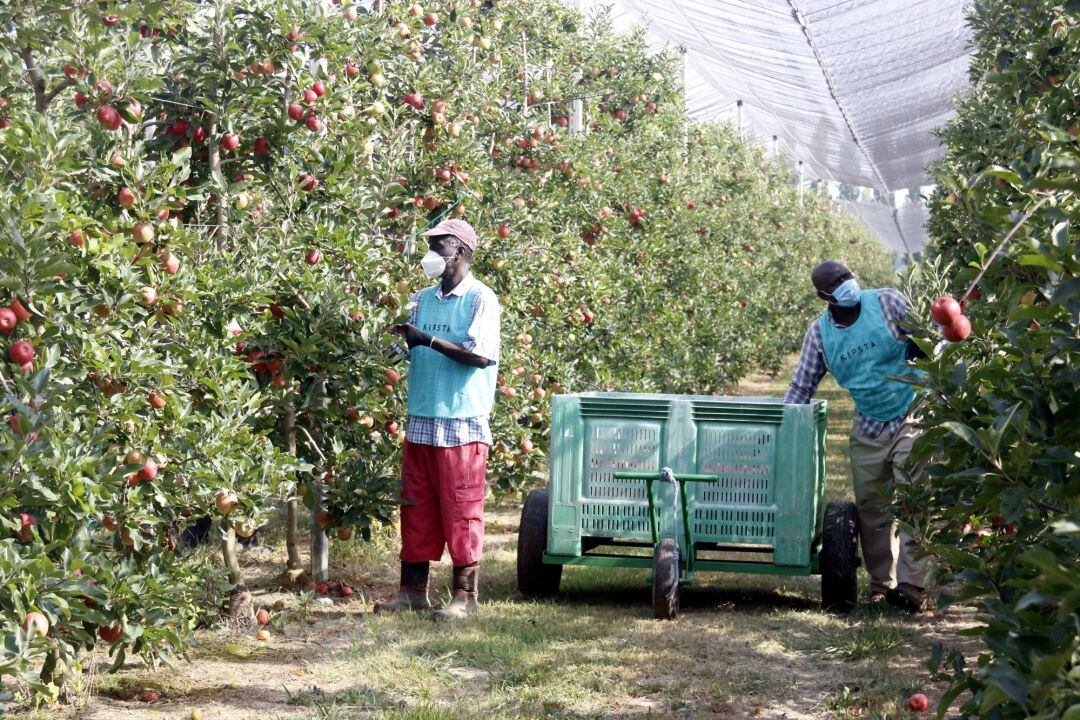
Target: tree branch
[[36, 79]]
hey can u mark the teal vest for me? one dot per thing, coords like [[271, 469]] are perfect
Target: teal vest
[[438, 386], [861, 357]]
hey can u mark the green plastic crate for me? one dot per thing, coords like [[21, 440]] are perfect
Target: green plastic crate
[[769, 459]]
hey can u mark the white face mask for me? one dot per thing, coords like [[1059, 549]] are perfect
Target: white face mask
[[434, 264]]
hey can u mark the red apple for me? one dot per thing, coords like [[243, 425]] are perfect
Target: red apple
[[431, 19], [503, 231], [958, 329], [313, 123], [313, 256], [21, 352], [945, 310], [310, 96], [352, 70], [262, 146], [229, 142], [143, 233], [157, 401], [148, 471], [262, 617], [110, 524], [126, 198], [169, 262], [110, 634], [392, 427], [26, 520], [75, 239], [308, 182], [918, 702], [179, 127], [8, 320], [20, 312], [81, 100], [296, 111], [526, 446], [149, 295], [323, 518], [318, 88], [392, 375], [108, 117]]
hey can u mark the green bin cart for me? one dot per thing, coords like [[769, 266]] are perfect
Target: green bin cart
[[683, 484]]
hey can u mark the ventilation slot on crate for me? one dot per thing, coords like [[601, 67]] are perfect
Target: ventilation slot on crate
[[615, 521], [619, 447], [642, 409], [727, 412], [742, 458], [733, 526]]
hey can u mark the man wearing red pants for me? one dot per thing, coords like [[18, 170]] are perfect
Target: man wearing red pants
[[453, 339]]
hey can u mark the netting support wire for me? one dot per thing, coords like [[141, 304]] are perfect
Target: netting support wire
[[738, 116], [797, 14]]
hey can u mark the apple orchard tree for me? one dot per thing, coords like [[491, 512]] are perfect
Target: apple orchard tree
[[209, 214]]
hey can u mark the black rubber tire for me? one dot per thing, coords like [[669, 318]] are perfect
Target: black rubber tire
[[665, 582], [535, 578], [839, 557]]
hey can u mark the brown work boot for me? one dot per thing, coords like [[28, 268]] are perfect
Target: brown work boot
[[413, 594], [906, 597], [463, 603]]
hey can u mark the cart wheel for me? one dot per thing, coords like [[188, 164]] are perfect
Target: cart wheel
[[665, 582], [534, 577], [840, 557]]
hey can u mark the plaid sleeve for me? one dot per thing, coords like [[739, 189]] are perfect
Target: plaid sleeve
[[483, 337], [896, 310], [811, 369]]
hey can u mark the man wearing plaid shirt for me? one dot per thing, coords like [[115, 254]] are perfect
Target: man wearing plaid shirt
[[859, 338], [453, 340]]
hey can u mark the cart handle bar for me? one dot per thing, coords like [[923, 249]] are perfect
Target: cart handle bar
[[665, 475], [668, 476]]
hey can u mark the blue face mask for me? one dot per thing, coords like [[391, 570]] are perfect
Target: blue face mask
[[848, 293]]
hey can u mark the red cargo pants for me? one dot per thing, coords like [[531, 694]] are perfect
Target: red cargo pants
[[442, 497]]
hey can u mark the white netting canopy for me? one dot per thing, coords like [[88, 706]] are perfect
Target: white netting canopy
[[852, 88]]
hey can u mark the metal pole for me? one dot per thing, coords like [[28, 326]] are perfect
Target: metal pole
[[686, 110], [738, 112], [547, 76], [775, 146], [320, 546], [800, 182], [525, 75], [577, 117]]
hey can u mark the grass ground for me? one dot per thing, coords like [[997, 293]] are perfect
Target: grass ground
[[743, 646]]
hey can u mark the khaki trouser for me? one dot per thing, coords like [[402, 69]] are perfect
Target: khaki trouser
[[877, 465]]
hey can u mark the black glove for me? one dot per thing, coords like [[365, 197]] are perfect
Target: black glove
[[414, 336]]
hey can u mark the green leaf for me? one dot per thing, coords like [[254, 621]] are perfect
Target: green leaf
[[965, 433]]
